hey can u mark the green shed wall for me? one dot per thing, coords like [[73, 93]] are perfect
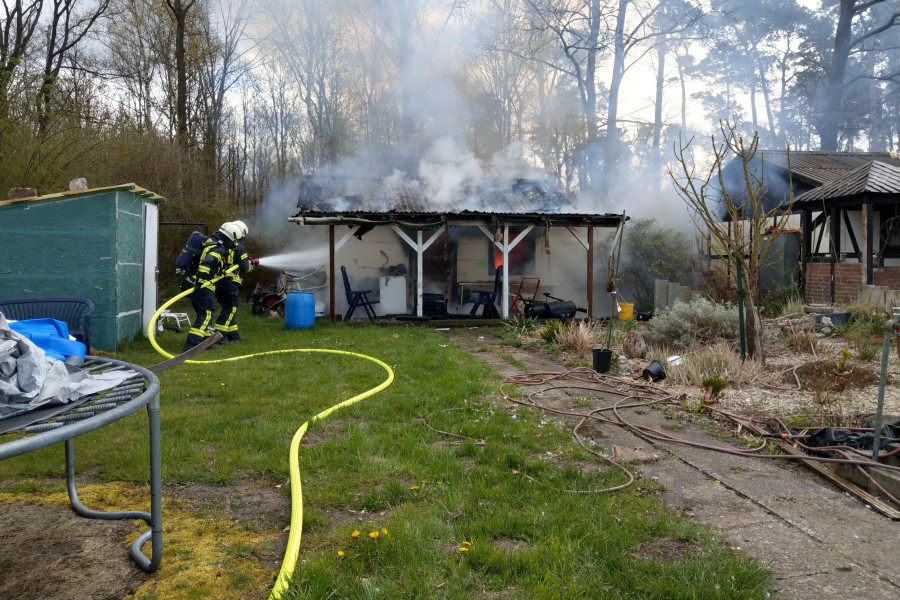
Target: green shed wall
[[87, 245]]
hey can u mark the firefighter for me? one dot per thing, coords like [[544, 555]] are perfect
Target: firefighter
[[229, 287], [212, 263]]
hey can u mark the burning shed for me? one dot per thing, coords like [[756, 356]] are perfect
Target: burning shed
[[448, 244]]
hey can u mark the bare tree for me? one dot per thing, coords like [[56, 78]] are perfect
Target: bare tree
[[577, 28], [622, 32], [710, 195], [311, 50], [134, 43], [20, 19], [180, 10], [845, 42], [280, 110], [223, 65], [500, 79], [66, 28]]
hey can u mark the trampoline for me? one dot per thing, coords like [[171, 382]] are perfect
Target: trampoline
[[45, 427]]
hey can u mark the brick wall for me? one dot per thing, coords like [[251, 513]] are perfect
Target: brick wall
[[888, 277], [848, 277]]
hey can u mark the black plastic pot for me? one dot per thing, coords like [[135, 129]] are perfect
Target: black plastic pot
[[654, 371], [602, 360]]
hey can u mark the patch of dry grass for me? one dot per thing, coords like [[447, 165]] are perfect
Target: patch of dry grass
[[718, 360], [803, 340], [580, 337]]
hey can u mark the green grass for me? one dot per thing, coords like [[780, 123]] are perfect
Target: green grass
[[528, 537]]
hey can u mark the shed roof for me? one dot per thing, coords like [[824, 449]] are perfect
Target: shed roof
[[876, 176], [131, 187], [416, 203]]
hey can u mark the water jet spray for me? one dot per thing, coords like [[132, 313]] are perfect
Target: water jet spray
[[295, 260]]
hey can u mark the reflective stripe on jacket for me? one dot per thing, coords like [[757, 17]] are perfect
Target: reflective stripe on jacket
[[238, 255]]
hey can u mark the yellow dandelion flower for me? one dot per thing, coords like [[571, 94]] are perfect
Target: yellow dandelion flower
[[463, 549], [414, 487], [467, 543], [373, 534], [355, 533], [340, 554], [384, 531]]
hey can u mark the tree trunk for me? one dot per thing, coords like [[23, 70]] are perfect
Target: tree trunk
[[828, 133], [611, 147], [753, 327], [180, 10], [657, 113]]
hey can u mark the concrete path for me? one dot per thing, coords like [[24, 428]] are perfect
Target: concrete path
[[820, 542]]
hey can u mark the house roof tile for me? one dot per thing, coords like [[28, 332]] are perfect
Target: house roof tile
[[818, 168], [876, 176]]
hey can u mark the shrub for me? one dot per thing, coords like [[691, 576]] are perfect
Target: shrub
[[869, 316], [781, 301], [551, 331], [651, 252], [861, 337], [687, 324]]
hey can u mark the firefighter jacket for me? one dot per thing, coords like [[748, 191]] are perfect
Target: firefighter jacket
[[213, 259], [237, 255]]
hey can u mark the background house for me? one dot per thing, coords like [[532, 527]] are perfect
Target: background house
[[99, 244], [847, 215]]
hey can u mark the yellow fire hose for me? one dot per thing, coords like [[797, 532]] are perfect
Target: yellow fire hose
[[293, 545]]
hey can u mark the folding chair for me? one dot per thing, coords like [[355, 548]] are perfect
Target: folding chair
[[520, 300], [357, 298], [487, 299]]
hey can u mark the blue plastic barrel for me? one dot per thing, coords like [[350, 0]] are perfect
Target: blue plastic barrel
[[299, 310]]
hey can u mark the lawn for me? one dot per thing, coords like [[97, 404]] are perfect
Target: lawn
[[394, 506]]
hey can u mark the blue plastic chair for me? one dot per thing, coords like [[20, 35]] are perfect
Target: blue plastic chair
[[487, 298], [75, 312], [357, 298]]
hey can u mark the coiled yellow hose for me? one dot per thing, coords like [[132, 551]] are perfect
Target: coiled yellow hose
[[293, 545]]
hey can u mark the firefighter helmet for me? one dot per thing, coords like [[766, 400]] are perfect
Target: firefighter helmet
[[231, 231], [242, 229]]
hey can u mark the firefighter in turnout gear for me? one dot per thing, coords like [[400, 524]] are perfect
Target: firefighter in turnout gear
[[186, 267], [229, 287], [212, 262]]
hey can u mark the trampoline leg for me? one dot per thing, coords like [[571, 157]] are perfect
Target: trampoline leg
[[153, 518]]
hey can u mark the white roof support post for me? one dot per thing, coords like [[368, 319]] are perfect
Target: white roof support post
[[505, 245], [420, 247]]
